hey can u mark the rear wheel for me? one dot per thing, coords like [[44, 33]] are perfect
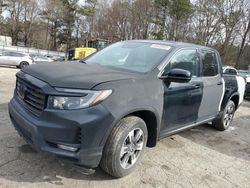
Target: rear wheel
[[124, 147], [23, 64], [226, 119]]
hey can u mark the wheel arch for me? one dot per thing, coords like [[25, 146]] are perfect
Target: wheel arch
[[151, 119], [151, 122], [19, 65], [235, 98], [24, 61]]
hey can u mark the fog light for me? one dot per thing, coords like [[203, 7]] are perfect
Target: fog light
[[68, 148]]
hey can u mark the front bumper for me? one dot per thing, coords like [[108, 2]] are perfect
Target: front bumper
[[84, 129]]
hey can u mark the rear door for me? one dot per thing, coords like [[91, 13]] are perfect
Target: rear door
[[213, 85]]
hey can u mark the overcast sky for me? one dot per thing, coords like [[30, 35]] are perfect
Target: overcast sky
[[81, 2]]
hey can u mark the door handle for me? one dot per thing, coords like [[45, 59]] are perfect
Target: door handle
[[220, 83]]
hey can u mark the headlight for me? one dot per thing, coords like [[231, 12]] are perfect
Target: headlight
[[88, 99]]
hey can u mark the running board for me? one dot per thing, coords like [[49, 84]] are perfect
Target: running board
[[169, 133]]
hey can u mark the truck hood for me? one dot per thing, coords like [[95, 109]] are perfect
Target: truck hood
[[75, 75]]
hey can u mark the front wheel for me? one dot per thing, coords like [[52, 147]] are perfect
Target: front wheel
[[124, 147], [226, 119]]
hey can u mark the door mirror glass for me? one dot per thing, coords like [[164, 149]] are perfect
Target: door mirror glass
[[177, 75]]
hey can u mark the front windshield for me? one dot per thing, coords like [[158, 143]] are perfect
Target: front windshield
[[132, 56]]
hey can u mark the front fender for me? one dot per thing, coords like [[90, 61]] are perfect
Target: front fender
[[133, 111]]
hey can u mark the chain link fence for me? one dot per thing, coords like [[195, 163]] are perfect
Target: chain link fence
[[31, 50]]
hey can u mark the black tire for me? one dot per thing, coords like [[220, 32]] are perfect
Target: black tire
[[112, 158], [224, 122], [23, 64]]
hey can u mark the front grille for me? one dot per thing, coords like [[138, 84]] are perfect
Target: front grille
[[32, 96]]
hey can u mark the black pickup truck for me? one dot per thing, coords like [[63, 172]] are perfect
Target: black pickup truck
[[108, 108]]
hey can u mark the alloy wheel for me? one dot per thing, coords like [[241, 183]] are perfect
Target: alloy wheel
[[229, 115], [131, 148]]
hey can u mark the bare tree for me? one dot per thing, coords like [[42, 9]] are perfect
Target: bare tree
[[30, 13], [15, 9], [52, 14], [231, 12], [246, 31]]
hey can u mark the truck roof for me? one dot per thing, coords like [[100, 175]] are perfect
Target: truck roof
[[174, 44]]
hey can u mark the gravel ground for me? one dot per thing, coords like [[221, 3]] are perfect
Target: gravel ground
[[200, 157]]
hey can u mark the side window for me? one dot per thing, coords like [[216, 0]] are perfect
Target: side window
[[12, 54], [6, 53], [185, 59], [232, 72], [209, 63]]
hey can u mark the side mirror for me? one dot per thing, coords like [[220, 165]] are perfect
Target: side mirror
[[177, 75]]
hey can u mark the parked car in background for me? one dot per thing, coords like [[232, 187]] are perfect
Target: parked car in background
[[41, 59], [59, 58], [228, 70], [246, 75], [17, 59]]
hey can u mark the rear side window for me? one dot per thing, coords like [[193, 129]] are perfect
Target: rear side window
[[209, 63], [6, 54], [13, 54]]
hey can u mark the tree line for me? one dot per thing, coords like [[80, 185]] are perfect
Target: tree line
[[63, 24]]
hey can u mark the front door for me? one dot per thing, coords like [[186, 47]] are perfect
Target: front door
[[182, 100]]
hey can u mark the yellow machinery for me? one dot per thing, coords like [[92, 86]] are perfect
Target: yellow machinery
[[80, 53], [91, 47]]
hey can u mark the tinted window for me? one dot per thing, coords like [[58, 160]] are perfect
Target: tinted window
[[6, 53], [185, 59], [232, 71], [14, 54], [209, 63]]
